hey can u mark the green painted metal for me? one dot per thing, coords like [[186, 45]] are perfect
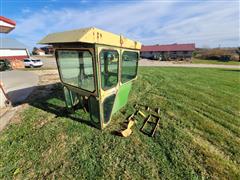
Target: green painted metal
[[122, 96]]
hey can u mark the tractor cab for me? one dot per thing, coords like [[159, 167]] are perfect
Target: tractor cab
[[96, 68]]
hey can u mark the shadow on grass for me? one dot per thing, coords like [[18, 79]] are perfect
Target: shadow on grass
[[42, 96], [224, 60], [231, 70]]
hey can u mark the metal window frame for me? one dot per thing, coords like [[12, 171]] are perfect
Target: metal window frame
[[136, 69], [100, 67], [72, 87]]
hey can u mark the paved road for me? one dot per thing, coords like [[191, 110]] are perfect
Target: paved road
[[50, 62], [144, 62], [18, 84]]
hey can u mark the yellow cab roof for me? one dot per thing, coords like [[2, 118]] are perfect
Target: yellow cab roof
[[91, 35]]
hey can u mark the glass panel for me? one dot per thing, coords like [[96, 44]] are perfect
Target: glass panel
[[109, 68], [67, 97], [107, 107], [93, 105], [71, 98], [76, 68], [129, 65]]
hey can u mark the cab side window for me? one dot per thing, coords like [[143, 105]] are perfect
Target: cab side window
[[76, 68], [109, 68], [129, 66]]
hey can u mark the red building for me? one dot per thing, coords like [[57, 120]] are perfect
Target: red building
[[47, 49], [168, 52], [6, 25]]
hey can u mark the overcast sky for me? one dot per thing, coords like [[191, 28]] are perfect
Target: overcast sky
[[204, 22]]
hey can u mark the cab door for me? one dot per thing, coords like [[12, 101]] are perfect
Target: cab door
[[109, 81]]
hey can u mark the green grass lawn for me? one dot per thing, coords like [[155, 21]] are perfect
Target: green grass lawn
[[202, 61], [199, 134]]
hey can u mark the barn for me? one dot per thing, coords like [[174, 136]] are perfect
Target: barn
[[47, 49], [168, 52], [12, 49]]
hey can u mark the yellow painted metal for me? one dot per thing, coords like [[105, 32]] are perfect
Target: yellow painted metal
[[95, 40], [91, 35], [127, 132]]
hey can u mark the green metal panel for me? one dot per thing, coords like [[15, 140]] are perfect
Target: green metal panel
[[122, 96]]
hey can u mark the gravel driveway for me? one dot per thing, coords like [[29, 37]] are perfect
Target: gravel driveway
[[18, 84], [50, 62], [145, 62]]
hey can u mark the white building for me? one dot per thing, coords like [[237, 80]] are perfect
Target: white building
[[12, 49]]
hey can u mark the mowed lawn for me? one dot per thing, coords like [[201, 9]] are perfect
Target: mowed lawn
[[198, 137], [217, 62]]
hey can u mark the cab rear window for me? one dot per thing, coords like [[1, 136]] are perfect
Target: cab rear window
[[129, 65]]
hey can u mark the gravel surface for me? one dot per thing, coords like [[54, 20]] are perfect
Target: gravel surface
[[145, 62], [46, 79], [50, 62], [18, 84]]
